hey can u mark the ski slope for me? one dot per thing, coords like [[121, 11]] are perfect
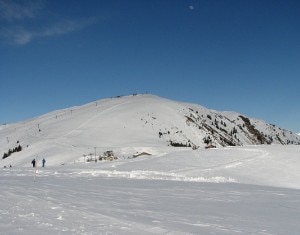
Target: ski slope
[[236, 190], [128, 125], [249, 189]]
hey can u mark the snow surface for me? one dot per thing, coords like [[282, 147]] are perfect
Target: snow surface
[[125, 125], [245, 190], [252, 189]]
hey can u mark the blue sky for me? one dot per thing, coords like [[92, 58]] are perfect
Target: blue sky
[[228, 55]]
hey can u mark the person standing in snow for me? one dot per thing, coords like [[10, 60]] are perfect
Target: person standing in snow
[[44, 161], [33, 163]]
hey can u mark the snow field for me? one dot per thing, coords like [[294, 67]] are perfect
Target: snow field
[[244, 190], [232, 190], [77, 204]]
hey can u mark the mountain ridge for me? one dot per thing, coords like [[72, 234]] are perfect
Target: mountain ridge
[[136, 122]]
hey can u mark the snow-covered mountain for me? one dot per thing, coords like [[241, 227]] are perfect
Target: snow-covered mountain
[[130, 124], [152, 187]]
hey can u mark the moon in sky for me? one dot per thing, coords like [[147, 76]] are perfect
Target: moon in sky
[[191, 8]]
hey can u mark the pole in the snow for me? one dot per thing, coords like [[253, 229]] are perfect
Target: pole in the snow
[[35, 171]]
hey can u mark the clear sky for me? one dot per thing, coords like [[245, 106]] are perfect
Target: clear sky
[[228, 55]]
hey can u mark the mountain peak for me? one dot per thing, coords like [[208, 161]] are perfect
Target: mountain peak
[[137, 122]]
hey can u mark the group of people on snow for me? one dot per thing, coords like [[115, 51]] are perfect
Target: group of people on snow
[[10, 166], [33, 162]]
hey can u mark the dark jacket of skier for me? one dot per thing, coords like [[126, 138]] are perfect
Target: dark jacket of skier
[[33, 163]]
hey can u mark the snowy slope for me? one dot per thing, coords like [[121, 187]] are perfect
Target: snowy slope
[[130, 124], [232, 190], [245, 189]]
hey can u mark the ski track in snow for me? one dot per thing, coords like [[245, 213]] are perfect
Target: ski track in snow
[[96, 115], [134, 174], [260, 155], [76, 201], [153, 175]]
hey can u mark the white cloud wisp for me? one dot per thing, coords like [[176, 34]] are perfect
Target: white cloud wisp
[[12, 11], [22, 36]]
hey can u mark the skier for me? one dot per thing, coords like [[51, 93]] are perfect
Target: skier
[[44, 161], [33, 163]]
